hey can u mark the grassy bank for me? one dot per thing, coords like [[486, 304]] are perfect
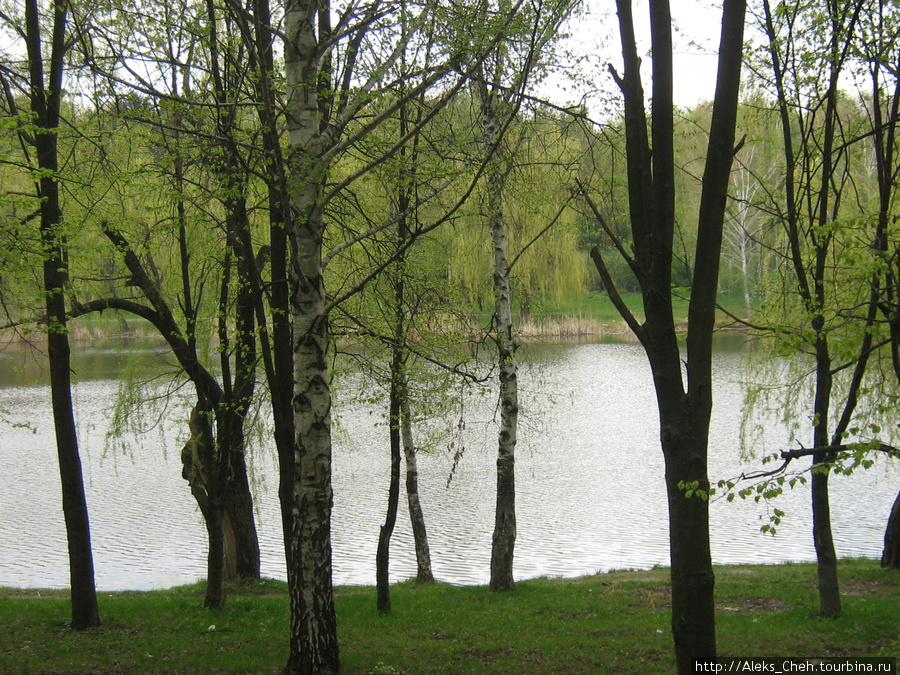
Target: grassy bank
[[616, 622], [588, 315], [592, 314]]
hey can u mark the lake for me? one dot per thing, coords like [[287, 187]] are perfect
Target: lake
[[590, 488]]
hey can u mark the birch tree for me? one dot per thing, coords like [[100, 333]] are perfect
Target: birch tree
[[501, 83], [325, 92]]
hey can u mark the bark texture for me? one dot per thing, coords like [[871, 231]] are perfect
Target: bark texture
[[504, 537], [313, 632]]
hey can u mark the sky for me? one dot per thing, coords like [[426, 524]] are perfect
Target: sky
[[594, 35]]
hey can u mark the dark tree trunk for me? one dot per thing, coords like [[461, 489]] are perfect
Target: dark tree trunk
[[890, 556], [45, 107], [275, 339], [237, 500], [199, 469], [693, 581], [826, 558], [684, 400], [85, 612], [215, 562], [235, 504], [240, 525], [382, 558], [884, 297], [399, 392], [238, 365]]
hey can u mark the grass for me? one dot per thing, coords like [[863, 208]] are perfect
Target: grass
[[616, 622]]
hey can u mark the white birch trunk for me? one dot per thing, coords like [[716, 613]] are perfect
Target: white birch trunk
[[424, 573], [504, 538], [313, 642]]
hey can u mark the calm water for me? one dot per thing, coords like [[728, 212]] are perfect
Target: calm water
[[590, 486]]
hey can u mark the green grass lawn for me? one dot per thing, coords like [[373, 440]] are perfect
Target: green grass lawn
[[616, 622]]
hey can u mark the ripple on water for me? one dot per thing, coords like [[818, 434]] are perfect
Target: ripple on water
[[590, 492]]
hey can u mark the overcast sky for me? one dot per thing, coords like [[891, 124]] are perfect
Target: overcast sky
[[594, 36]]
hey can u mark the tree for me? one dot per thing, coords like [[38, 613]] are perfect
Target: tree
[[213, 457], [877, 48], [684, 411], [890, 556], [501, 83], [816, 142], [163, 110], [504, 537], [326, 95], [45, 96]]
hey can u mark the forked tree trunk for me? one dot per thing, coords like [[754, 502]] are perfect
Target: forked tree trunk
[[685, 401]]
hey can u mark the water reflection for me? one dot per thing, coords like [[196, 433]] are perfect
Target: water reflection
[[590, 482]]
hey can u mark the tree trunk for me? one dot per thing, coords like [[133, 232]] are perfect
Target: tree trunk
[[382, 558], [424, 572], [890, 557], [826, 558], [684, 400], [693, 581], [237, 500], [85, 612], [242, 562], [45, 107], [745, 270], [313, 641], [504, 537], [684, 417], [198, 462], [215, 561], [313, 632]]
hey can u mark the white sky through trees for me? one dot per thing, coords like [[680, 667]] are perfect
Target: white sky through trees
[[594, 37]]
